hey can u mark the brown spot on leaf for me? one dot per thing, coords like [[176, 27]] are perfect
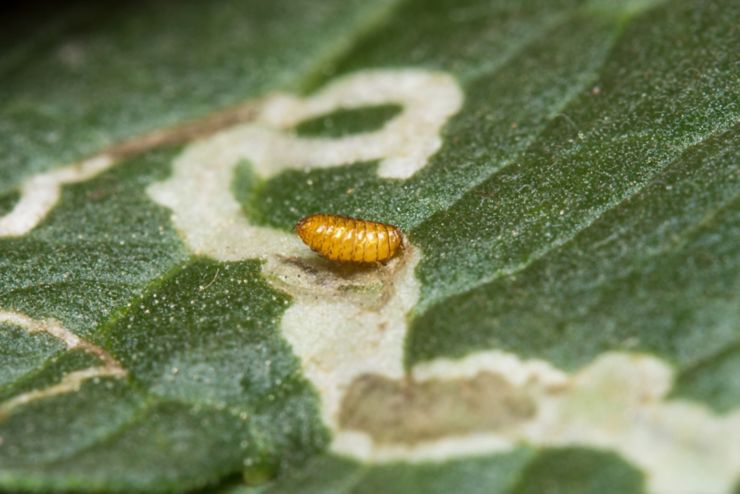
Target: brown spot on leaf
[[394, 411], [185, 132], [369, 286]]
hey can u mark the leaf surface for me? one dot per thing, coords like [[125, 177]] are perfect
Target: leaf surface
[[574, 242]]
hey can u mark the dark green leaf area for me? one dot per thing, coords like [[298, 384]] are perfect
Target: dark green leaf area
[[348, 121], [207, 336], [211, 389], [22, 352], [621, 210], [601, 150], [50, 373], [158, 447], [7, 201], [466, 37], [579, 471], [353, 190], [78, 79], [493, 474], [715, 380], [506, 106], [102, 243], [60, 428], [670, 245], [523, 471]]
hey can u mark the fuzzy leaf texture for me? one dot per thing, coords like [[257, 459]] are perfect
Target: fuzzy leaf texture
[[564, 317]]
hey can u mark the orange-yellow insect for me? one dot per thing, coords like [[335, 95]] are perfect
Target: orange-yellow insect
[[344, 239]]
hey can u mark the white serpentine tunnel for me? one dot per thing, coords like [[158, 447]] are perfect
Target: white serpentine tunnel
[[339, 336], [342, 328]]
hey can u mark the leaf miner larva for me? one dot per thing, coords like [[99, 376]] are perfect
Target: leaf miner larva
[[345, 239]]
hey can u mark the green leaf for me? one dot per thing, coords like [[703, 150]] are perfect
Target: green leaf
[[571, 470], [565, 313], [346, 122]]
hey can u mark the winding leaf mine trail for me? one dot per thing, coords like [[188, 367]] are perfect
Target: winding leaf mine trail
[[348, 325], [71, 382]]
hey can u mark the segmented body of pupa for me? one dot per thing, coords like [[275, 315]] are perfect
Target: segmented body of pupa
[[345, 239]]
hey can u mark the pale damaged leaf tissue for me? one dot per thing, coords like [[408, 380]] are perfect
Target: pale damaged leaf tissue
[[566, 178]]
